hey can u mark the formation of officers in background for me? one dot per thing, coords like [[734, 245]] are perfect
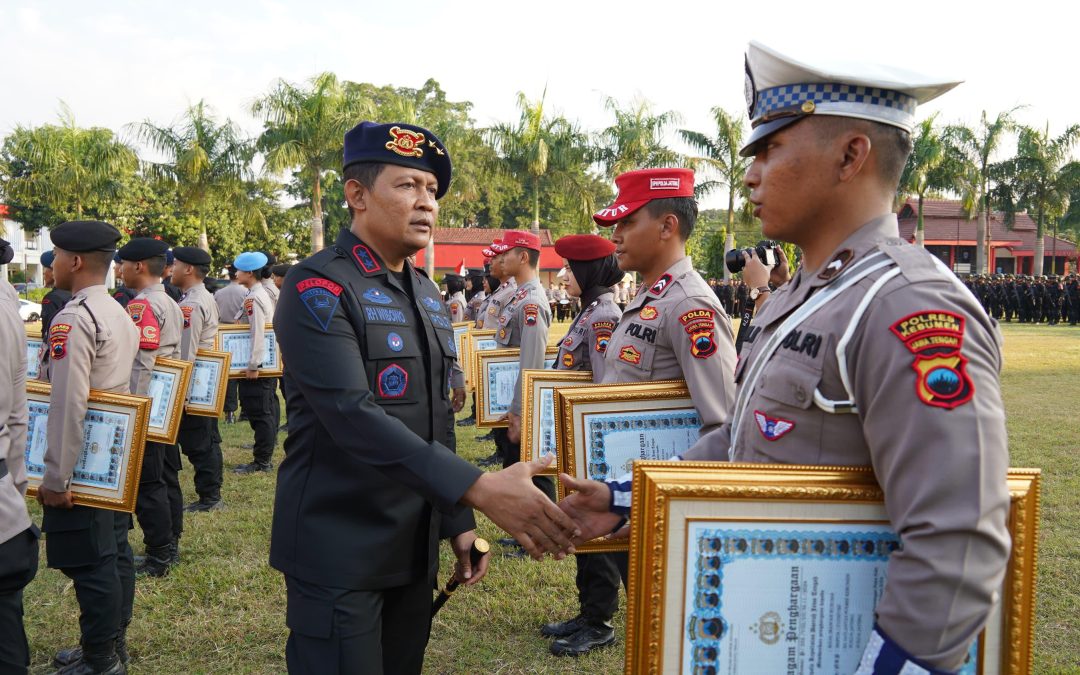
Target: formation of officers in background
[[1045, 299]]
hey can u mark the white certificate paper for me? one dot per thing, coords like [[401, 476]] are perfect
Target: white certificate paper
[[614, 440]]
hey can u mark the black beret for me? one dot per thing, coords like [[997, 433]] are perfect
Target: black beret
[[142, 248], [192, 255], [401, 144], [270, 259], [280, 270], [47, 257], [80, 236], [453, 277]]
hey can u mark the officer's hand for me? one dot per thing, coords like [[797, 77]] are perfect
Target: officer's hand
[[56, 500], [513, 432], [589, 505], [458, 400], [512, 502], [251, 374], [754, 273], [781, 272], [463, 570]]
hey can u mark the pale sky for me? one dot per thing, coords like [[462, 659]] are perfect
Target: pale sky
[[115, 62]]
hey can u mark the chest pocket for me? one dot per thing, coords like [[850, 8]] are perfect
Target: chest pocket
[[394, 364], [571, 355], [784, 425], [507, 333]]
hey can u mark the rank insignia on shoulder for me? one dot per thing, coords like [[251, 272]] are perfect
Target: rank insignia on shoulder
[[648, 313], [378, 297], [661, 285], [837, 264], [630, 355], [366, 259], [451, 345], [393, 381], [531, 313], [772, 428], [321, 297], [935, 338]]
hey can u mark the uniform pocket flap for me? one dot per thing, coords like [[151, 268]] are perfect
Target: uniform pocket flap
[[66, 520], [792, 385]]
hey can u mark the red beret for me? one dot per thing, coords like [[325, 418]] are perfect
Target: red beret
[[584, 247], [638, 188]]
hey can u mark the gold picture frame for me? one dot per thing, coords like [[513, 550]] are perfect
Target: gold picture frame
[[461, 341], [119, 417], [496, 373], [480, 340], [538, 403], [34, 345], [170, 381], [231, 338], [659, 414], [209, 380], [670, 605]]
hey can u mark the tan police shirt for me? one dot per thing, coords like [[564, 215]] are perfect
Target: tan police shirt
[[200, 321], [456, 307], [14, 416], [474, 307], [913, 392], [677, 329], [229, 301], [160, 323], [272, 292], [256, 311], [524, 323], [496, 302], [92, 345], [584, 345]]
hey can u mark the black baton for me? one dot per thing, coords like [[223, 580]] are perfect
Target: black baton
[[479, 549]]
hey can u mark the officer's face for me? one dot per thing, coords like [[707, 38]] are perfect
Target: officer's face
[[179, 271], [638, 237], [47, 276], [398, 213], [571, 283], [62, 271], [788, 181]]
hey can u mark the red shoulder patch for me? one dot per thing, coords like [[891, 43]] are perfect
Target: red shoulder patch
[[147, 323], [602, 332], [186, 309], [700, 326], [661, 285], [935, 338], [532, 311], [316, 282], [58, 337]]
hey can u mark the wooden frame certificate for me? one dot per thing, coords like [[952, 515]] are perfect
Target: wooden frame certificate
[[235, 338], [107, 472], [169, 383], [779, 568], [209, 378], [539, 420]]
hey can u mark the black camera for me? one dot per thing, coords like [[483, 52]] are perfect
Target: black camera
[[768, 252]]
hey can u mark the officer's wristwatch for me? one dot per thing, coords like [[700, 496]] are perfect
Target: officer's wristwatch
[[754, 293]]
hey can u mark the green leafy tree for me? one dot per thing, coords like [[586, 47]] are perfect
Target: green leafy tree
[[635, 139], [927, 170]]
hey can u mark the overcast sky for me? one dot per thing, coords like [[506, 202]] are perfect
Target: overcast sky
[[115, 62]]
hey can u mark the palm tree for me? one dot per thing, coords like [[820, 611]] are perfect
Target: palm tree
[[206, 161], [926, 170], [67, 168], [1040, 179], [305, 129], [720, 155], [544, 151], [634, 141], [971, 151]]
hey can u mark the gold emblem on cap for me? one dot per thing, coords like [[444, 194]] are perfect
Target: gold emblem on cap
[[406, 143], [808, 107]]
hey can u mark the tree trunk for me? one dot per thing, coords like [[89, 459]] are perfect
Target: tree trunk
[[536, 209], [429, 257], [920, 229], [204, 241], [1040, 247], [729, 240], [980, 241], [316, 214]]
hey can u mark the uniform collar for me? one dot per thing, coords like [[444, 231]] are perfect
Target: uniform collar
[[363, 256], [663, 283], [96, 289]]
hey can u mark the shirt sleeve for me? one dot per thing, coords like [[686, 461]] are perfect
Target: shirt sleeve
[[72, 353], [257, 330], [704, 346], [17, 422]]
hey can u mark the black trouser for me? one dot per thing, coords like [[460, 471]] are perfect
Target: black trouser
[[260, 402], [90, 546], [18, 567], [197, 441], [152, 506], [598, 576], [337, 630], [170, 473], [232, 397], [511, 454]]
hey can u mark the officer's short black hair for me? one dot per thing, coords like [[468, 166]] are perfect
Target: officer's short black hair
[[232, 272], [155, 265], [97, 261], [534, 257], [201, 271], [364, 173], [891, 145], [684, 208]]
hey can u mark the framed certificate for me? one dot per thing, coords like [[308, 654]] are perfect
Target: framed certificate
[[539, 431], [209, 377], [107, 472], [235, 338], [169, 382], [772, 568], [496, 377], [479, 341], [33, 353], [461, 341]]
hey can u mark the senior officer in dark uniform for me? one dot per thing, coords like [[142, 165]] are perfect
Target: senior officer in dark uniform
[[894, 365], [368, 485], [92, 345]]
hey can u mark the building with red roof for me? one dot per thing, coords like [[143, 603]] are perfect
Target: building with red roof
[[454, 245]]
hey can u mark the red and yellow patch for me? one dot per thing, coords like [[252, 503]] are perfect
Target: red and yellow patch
[[630, 355], [147, 322], [568, 360], [648, 313], [406, 142], [58, 337], [187, 315], [935, 338], [700, 326], [249, 306], [602, 330], [532, 311]]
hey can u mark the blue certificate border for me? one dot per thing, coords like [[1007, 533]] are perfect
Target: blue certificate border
[[599, 424]]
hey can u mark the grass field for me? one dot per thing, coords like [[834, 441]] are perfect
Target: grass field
[[222, 609]]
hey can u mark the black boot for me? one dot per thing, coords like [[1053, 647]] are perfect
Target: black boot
[[174, 552], [254, 467], [98, 659], [205, 504], [561, 629], [66, 657], [593, 635], [467, 422], [157, 561], [230, 418]]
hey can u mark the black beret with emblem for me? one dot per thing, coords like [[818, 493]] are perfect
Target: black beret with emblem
[[141, 248], [401, 144], [192, 255], [80, 236]]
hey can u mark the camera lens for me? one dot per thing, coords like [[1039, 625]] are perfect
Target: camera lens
[[733, 259]]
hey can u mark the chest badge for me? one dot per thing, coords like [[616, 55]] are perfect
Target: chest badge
[[395, 342], [431, 304], [630, 355], [772, 428], [648, 313], [393, 381], [377, 296], [568, 360]]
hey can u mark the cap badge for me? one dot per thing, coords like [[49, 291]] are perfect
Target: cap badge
[[808, 107], [749, 89], [406, 143], [663, 183]]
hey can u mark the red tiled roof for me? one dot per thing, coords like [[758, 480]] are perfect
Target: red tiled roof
[[479, 236], [953, 210], [449, 256], [945, 223]]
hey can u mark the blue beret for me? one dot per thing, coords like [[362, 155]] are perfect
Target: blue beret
[[249, 261], [401, 144], [80, 236], [47, 258], [141, 248], [117, 259]]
